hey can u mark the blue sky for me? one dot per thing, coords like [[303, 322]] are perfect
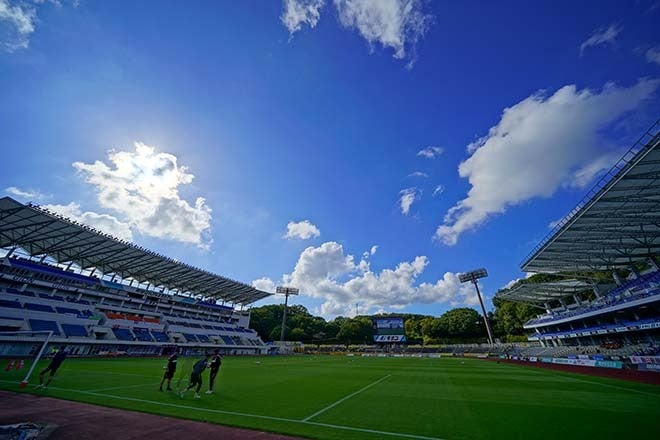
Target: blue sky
[[230, 121]]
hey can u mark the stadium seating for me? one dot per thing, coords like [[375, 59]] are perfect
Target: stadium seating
[[190, 337], [227, 340], [38, 307], [74, 330], [67, 310], [44, 325], [93, 312], [123, 334], [160, 336], [142, 334], [10, 304], [51, 270], [633, 290]]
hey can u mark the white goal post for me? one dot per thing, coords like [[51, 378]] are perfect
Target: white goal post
[[18, 337]]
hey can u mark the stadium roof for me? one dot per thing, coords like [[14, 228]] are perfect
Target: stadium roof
[[540, 293], [41, 232], [617, 223]]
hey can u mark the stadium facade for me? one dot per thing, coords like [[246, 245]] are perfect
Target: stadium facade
[[101, 295], [604, 258]]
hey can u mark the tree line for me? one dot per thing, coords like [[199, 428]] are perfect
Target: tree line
[[458, 325]]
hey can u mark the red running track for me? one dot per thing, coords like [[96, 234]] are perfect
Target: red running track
[[78, 421], [632, 375]]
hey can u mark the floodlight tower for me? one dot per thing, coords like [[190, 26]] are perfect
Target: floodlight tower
[[286, 291], [473, 277]]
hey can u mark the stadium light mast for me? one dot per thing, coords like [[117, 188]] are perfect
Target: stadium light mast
[[473, 277], [286, 291]]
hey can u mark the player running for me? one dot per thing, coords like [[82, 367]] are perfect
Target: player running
[[214, 365], [169, 370], [55, 363], [196, 376]]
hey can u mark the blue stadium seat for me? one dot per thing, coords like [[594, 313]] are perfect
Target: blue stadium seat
[[74, 330], [39, 307], [10, 304], [203, 338], [67, 311], [142, 334], [228, 340], [123, 334], [190, 338], [160, 336], [38, 325]]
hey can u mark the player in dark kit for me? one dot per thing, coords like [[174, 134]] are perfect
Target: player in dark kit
[[52, 367], [169, 371], [196, 375], [214, 366]]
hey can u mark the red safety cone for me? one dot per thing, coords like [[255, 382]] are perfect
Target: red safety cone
[[19, 365], [10, 365]]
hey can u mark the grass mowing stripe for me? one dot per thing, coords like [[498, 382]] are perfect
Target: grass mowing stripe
[[124, 387], [571, 377], [240, 414], [615, 387], [346, 398]]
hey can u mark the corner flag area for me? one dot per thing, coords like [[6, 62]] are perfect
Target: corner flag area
[[350, 397]]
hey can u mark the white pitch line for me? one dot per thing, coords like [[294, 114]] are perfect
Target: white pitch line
[[345, 398], [614, 386], [257, 416], [123, 387], [568, 376]]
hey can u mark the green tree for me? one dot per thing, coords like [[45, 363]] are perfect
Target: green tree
[[461, 323], [355, 331]]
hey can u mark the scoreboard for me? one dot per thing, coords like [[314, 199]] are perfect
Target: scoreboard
[[389, 330]]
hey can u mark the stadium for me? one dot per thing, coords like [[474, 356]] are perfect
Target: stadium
[[119, 311], [329, 219]]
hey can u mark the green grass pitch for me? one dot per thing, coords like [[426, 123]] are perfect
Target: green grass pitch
[[341, 397]]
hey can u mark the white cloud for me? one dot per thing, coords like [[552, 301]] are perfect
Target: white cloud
[[511, 283], [407, 197], [143, 186], [303, 230], [538, 144], [431, 152], [298, 13], [553, 224], [438, 190], [326, 272], [584, 175], [397, 24], [24, 193], [601, 36], [653, 55], [103, 222], [418, 174], [17, 23], [264, 284], [373, 250]]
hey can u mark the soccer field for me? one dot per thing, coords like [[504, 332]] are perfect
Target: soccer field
[[338, 397]]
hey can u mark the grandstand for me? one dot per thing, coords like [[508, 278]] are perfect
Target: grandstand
[[100, 295], [605, 255]]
